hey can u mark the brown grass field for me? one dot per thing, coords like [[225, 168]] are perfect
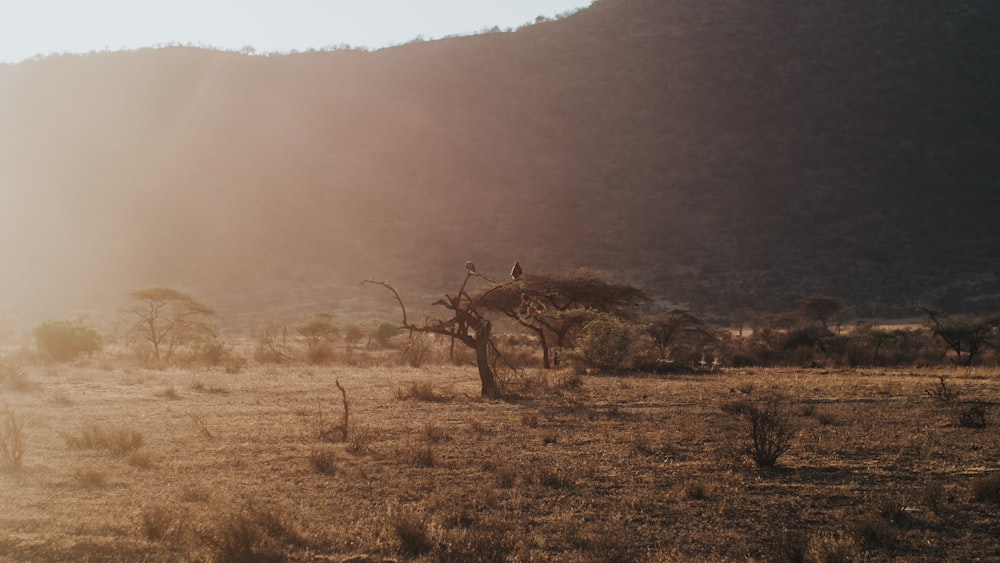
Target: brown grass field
[[126, 464]]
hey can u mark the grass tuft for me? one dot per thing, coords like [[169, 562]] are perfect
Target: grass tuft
[[413, 532], [323, 460], [119, 441]]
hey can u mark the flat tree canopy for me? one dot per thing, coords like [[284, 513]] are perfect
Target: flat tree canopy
[[557, 305]]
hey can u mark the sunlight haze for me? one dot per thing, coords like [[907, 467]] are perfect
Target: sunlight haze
[[67, 26]]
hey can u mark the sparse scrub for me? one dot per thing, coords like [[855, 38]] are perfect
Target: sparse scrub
[[158, 523], [420, 391], [169, 393], [417, 351], [943, 393], [90, 478], [119, 441], [140, 459], [767, 429], [694, 490], [973, 416], [413, 532], [986, 488], [13, 376], [933, 497], [832, 548], [610, 344], [874, 530], [251, 533], [360, 438], [323, 460], [422, 455], [203, 429], [434, 433], [530, 419], [12, 441]]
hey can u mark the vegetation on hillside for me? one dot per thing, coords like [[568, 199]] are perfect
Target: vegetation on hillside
[[720, 155]]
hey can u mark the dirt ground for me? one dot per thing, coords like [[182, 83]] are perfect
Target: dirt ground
[[126, 464]]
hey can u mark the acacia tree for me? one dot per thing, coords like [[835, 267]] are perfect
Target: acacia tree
[[168, 319], [466, 323], [558, 305], [962, 334], [676, 326]]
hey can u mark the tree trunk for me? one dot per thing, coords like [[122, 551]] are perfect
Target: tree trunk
[[546, 364], [486, 375]]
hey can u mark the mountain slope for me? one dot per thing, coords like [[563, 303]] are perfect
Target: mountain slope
[[722, 155]]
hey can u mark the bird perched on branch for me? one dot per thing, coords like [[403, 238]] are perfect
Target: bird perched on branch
[[516, 271], [470, 267]]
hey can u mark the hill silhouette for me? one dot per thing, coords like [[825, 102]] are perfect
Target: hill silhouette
[[718, 154]]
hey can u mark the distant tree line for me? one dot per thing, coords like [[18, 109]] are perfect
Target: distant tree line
[[581, 320]]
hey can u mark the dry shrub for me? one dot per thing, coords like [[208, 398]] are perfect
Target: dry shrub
[[941, 392], [169, 393], [830, 548], [434, 433], [694, 490], [986, 488], [874, 530], [119, 441], [767, 429], [421, 391], [251, 534], [933, 497], [12, 442], [475, 543], [530, 419], [417, 351], [422, 455], [90, 478], [606, 542], [973, 416], [324, 460], [140, 459], [413, 532], [13, 377], [360, 438], [158, 523]]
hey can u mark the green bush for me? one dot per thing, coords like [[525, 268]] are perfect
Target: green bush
[[609, 343], [65, 340]]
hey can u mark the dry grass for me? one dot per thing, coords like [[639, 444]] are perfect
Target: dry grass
[[632, 468]]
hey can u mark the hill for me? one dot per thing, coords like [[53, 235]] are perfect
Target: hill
[[721, 155]]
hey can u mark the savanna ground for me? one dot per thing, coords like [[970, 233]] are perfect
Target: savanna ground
[[128, 464]]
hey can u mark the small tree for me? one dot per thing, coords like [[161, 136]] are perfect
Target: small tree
[[65, 340], [168, 319], [678, 328], [964, 335], [318, 332], [822, 309]]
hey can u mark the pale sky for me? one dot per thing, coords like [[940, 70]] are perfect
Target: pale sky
[[30, 27]]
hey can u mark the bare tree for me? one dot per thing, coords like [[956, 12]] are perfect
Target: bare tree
[[168, 319], [465, 323]]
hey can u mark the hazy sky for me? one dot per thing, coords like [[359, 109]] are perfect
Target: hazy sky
[[30, 27]]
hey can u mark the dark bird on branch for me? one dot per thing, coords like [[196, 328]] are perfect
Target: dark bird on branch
[[470, 267], [516, 271]]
